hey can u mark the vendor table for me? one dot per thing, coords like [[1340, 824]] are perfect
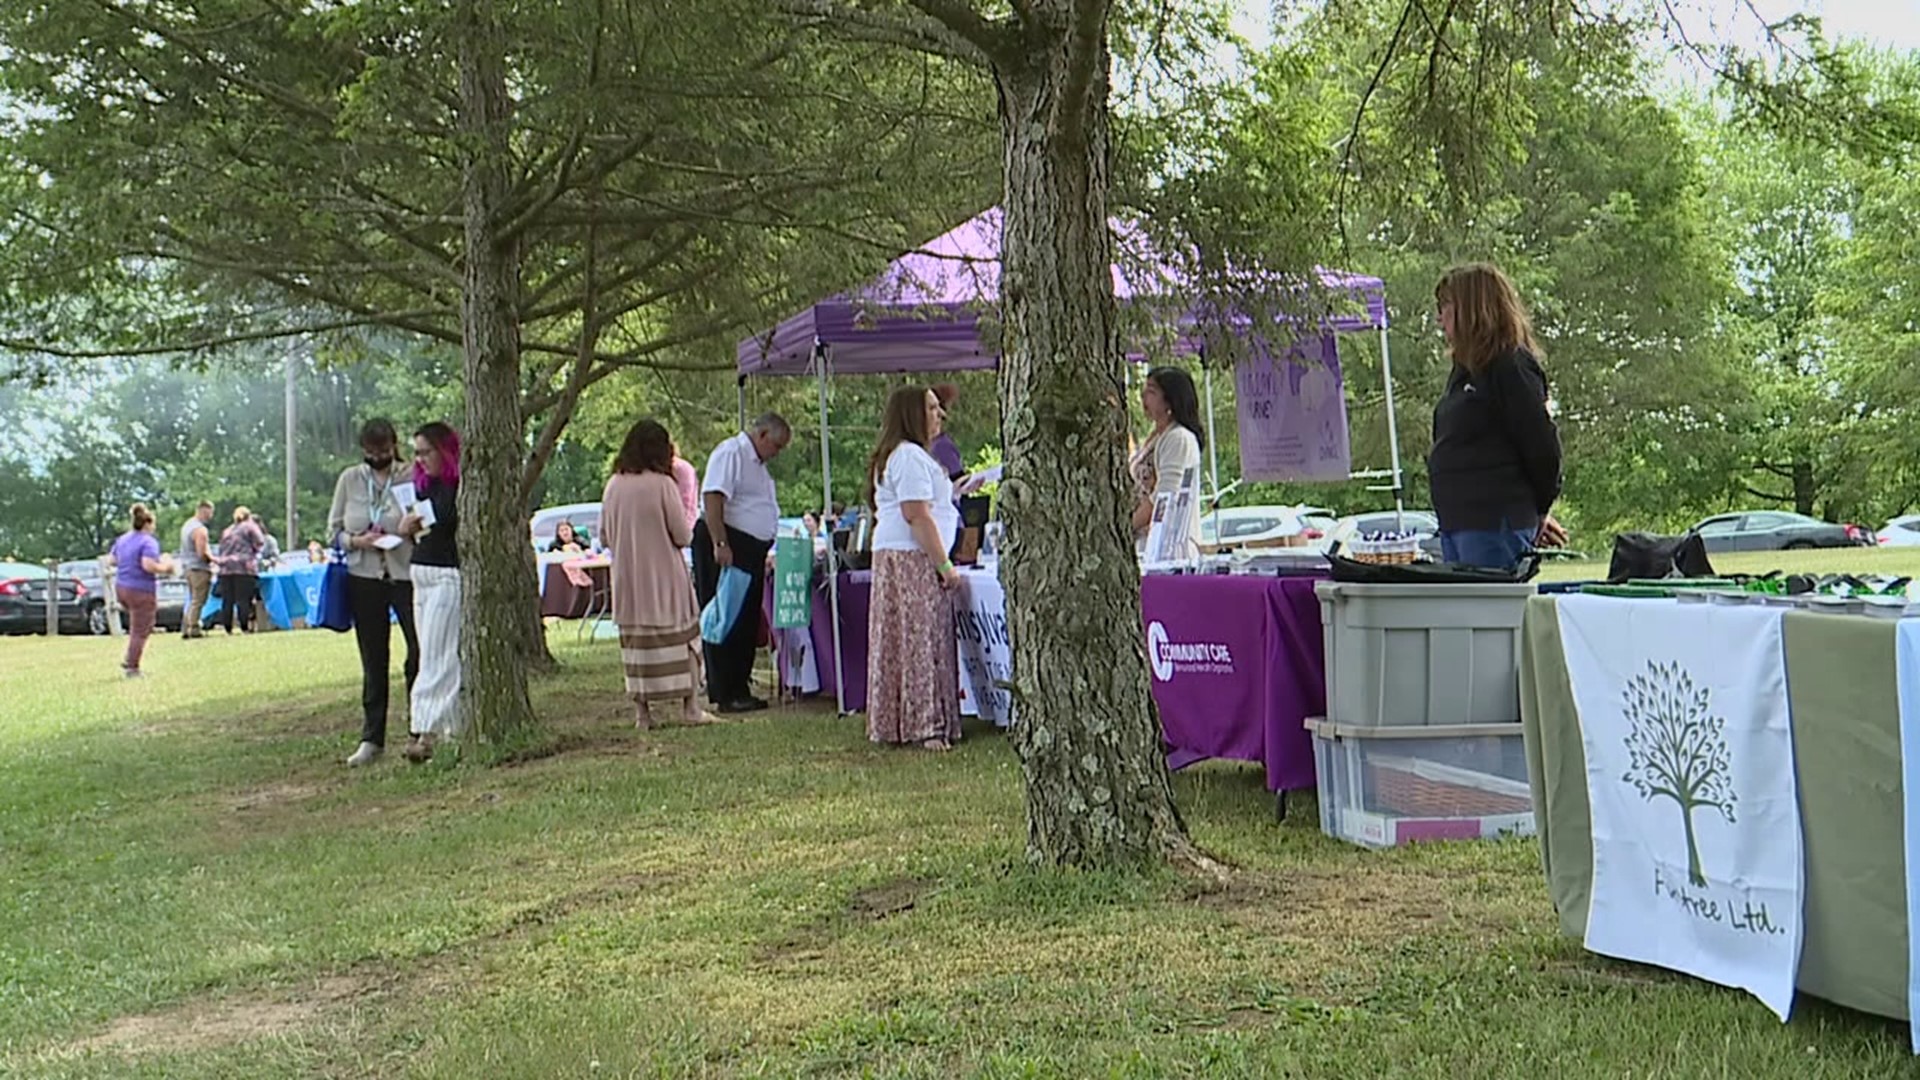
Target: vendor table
[[1237, 662], [562, 597], [1846, 744], [287, 595]]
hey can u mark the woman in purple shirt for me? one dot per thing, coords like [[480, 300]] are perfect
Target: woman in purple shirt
[[136, 559]]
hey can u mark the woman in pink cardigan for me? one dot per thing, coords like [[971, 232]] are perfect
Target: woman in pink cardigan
[[687, 479]]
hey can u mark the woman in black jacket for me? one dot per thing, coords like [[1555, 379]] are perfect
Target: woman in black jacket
[[1494, 469]]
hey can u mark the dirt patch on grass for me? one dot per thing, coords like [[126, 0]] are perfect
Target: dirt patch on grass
[[889, 898], [273, 796], [204, 1024]]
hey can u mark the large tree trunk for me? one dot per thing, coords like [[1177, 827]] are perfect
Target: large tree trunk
[[1097, 786], [496, 559]]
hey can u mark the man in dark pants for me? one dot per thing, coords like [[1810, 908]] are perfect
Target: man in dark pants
[[739, 517]]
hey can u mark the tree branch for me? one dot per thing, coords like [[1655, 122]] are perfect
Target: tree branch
[[919, 34], [202, 344], [1343, 173], [1086, 41]]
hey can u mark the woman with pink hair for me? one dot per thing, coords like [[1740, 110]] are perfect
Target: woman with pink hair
[[434, 526]]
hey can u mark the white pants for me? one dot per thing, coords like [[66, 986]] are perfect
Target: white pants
[[436, 619]]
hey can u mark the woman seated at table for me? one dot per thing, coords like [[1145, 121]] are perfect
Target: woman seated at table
[[1171, 451], [567, 539], [913, 678], [646, 530]]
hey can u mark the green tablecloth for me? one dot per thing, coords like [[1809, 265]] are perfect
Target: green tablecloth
[[1846, 745]]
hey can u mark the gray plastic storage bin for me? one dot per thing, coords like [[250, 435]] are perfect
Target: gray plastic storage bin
[[1385, 786], [1435, 655]]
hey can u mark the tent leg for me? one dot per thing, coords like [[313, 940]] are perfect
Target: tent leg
[[1393, 433], [826, 511], [740, 389]]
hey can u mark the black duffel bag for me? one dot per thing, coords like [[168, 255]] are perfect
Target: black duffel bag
[[1641, 556]]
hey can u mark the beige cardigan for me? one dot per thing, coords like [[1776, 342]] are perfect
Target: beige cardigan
[[644, 525], [354, 513]]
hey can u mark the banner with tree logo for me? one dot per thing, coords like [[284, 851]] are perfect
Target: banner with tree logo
[[1697, 862]]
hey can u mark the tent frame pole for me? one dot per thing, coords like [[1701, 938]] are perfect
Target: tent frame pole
[[822, 370], [1393, 430]]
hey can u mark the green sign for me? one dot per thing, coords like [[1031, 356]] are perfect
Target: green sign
[[792, 578]]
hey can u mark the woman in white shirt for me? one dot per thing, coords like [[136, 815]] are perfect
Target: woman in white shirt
[[913, 678], [1170, 452]]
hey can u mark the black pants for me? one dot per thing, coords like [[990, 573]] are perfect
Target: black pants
[[730, 663], [237, 592], [371, 599]]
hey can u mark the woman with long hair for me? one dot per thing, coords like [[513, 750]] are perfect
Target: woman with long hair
[[365, 522], [239, 560], [434, 711], [137, 560], [644, 524], [1494, 469], [913, 677], [1171, 452]]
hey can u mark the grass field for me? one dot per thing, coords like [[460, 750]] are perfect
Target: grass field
[[192, 886]]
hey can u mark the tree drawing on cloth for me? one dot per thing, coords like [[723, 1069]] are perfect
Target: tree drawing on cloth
[[1677, 749]]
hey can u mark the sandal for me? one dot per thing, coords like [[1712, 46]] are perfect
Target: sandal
[[938, 746]]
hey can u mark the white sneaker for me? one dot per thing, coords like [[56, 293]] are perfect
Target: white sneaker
[[365, 755]]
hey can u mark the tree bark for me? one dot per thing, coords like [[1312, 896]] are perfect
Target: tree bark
[[497, 566], [1098, 792]]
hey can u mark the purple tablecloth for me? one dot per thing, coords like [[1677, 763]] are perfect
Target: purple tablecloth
[[1238, 665]]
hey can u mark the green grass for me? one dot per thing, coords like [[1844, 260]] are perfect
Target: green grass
[[192, 886], [1894, 562]]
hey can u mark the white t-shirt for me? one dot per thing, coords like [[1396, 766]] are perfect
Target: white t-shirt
[[736, 471], [911, 475]]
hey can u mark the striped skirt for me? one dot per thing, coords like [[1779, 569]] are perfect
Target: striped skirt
[[662, 663], [913, 665]]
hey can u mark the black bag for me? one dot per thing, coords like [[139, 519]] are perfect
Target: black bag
[[1641, 556], [1361, 573]]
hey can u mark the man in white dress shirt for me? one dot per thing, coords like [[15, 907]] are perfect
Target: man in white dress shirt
[[739, 516]]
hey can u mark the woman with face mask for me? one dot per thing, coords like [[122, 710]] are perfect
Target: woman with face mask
[[365, 522]]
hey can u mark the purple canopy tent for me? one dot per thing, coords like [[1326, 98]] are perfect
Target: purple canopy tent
[[922, 314]]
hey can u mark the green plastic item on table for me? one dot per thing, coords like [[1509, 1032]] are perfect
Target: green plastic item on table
[[1632, 592], [1683, 583]]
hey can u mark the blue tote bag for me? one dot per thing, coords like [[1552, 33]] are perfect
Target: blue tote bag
[[729, 593], [334, 611]]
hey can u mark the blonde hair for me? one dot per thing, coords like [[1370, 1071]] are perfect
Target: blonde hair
[[142, 517], [240, 514], [1488, 317]]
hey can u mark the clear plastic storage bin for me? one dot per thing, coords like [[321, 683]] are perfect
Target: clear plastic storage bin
[[1432, 655], [1381, 787]]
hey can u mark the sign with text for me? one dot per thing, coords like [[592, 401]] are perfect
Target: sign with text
[[792, 578], [986, 650], [1292, 407], [1697, 861]]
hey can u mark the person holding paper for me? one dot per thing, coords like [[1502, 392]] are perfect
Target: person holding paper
[[1160, 465], [913, 677], [736, 529], [365, 521], [644, 525], [432, 522]]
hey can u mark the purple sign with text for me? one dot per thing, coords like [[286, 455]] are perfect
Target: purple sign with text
[[1293, 413]]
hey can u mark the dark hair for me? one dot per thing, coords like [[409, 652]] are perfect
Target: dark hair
[[947, 393], [378, 431], [142, 517], [648, 449], [1489, 319], [1183, 401], [905, 420], [446, 440]]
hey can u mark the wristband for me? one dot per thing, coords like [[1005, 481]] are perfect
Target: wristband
[[945, 567]]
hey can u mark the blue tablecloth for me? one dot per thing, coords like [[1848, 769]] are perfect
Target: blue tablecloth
[[288, 595]]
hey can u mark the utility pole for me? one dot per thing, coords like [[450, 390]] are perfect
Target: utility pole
[[293, 472]]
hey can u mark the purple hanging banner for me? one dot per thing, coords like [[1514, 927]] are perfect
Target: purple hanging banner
[[1293, 413]]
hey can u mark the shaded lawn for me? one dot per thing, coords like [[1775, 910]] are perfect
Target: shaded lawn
[[191, 885]]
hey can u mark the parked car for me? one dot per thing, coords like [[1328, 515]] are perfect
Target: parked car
[[1776, 530], [23, 601], [546, 522], [1902, 531], [1234, 525], [1422, 522]]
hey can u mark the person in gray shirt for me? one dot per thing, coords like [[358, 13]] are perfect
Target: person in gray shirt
[[196, 563]]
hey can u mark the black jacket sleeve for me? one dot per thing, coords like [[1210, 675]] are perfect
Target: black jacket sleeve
[[1520, 389]]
